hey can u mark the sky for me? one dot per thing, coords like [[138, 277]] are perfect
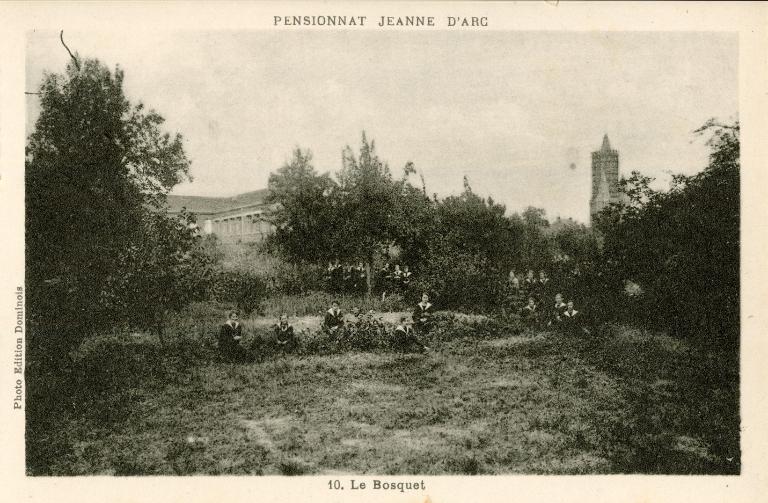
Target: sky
[[518, 113]]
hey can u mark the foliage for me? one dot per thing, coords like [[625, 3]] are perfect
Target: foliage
[[305, 218], [244, 290], [353, 219], [316, 303], [470, 224], [459, 248], [162, 271], [457, 279], [682, 246], [270, 264], [94, 163]]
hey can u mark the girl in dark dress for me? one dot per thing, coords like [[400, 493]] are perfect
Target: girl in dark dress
[[284, 335]]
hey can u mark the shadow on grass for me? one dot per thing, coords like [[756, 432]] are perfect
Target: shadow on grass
[[683, 400]]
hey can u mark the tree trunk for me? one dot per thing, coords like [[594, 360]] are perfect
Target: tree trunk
[[368, 279], [160, 324]]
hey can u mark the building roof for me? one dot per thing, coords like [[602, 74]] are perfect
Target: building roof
[[606, 144], [205, 205]]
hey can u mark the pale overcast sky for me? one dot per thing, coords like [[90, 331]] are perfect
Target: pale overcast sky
[[511, 110]]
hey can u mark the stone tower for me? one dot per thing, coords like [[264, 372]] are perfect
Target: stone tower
[[605, 178]]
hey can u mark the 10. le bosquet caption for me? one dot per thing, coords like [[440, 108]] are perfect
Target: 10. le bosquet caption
[[383, 21], [378, 485]]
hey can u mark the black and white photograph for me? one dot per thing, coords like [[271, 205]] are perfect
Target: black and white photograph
[[380, 248]]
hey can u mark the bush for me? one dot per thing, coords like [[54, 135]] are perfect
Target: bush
[[317, 303], [244, 290], [280, 276], [449, 326], [461, 281]]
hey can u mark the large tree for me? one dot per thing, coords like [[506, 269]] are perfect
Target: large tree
[[368, 198], [95, 164], [352, 218], [305, 217]]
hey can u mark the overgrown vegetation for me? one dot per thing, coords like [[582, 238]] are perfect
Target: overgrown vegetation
[[124, 301], [682, 246]]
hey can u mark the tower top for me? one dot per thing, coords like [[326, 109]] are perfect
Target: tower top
[[606, 144]]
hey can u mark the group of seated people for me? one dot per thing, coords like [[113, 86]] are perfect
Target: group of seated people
[[537, 313], [334, 324], [558, 314], [394, 279], [405, 331]]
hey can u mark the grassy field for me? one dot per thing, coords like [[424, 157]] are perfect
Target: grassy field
[[621, 401]]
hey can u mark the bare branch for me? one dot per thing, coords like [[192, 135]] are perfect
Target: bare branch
[[77, 63]]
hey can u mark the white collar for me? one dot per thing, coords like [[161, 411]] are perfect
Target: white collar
[[425, 306], [232, 324], [575, 312], [334, 312]]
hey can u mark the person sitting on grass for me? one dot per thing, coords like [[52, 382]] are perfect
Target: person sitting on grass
[[334, 319], [530, 313], [284, 335], [230, 335], [356, 316], [556, 317], [422, 315], [405, 339], [572, 320]]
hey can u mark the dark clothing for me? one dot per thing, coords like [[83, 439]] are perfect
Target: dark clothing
[[422, 317], [333, 320], [572, 321], [530, 315], [530, 284], [285, 337], [337, 278], [406, 340], [556, 316], [544, 289], [229, 342]]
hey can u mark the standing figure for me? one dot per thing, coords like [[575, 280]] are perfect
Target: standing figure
[[544, 285], [406, 278], [334, 319], [530, 313], [230, 335], [284, 335], [512, 293], [346, 278], [405, 339], [328, 277], [397, 277], [422, 315], [337, 277], [513, 281], [361, 278], [530, 285], [385, 279], [556, 315]]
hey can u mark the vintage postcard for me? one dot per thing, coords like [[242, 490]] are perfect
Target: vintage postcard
[[417, 252]]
